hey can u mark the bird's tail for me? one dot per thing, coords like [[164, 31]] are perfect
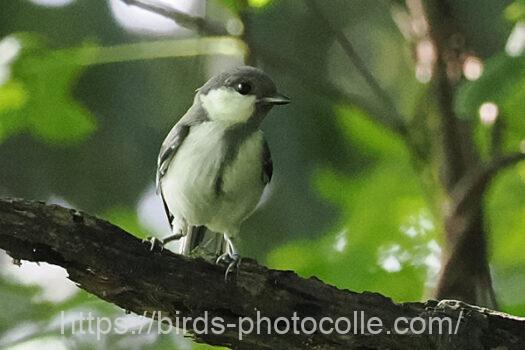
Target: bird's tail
[[201, 242]]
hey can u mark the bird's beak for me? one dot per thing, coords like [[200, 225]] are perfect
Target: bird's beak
[[276, 99]]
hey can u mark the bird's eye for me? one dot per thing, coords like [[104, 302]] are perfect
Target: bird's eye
[[243, 88]]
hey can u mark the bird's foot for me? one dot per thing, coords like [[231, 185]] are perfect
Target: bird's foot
[[233, 261], [154, 242]]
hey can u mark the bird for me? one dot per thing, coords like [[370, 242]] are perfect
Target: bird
[[215, 163]]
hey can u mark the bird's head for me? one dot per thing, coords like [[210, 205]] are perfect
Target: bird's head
[[239, 94]]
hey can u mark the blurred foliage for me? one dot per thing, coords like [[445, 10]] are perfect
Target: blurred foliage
[[346, 203], [37, 97], [17, 302], [383, 242], [237, 6], [502, 83], [515, 11]]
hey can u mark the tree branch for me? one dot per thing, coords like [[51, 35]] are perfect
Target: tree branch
[[472, 188], [199, 24], [357, 61], [465, 273], [318, 85], [150, 50], [445, 36], [322, 87], [503, 162], [466, 269], [117, 267]]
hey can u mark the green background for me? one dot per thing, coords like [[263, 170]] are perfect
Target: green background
[[83, 114]]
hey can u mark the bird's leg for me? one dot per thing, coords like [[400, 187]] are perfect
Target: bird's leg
[[153, 242], [231, 257], [178, 233], [173, 237], [231, 251]]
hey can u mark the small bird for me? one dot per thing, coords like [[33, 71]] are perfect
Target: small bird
[[215, 163]]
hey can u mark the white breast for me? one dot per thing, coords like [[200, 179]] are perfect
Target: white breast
[[227, 105], [189, 184], [243, 187]]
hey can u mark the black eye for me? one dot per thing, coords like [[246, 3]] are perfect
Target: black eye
[[243, 88]]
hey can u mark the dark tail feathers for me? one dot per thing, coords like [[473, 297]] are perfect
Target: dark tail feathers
[[203, 243]]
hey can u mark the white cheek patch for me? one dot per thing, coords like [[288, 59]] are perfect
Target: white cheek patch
[[228, 105]]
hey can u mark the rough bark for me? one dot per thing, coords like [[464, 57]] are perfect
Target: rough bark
[[117, 267]]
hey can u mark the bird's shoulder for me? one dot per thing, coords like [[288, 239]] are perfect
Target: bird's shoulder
[[194, 116]]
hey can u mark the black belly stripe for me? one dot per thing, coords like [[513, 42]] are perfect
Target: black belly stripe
[[234, 138]]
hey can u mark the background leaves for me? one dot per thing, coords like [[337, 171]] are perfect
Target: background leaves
[[346, 203], [38, 96]]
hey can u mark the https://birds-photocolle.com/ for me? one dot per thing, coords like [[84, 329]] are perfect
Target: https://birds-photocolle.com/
[[215, 163]]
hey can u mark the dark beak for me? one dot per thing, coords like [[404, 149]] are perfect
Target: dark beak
[[276, 99]]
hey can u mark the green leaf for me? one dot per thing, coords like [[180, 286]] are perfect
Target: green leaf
[[502, 83], [506, 219], [39, 98], [501, 80], [232, 5], [259, 3], [18, 305], [385, 217], [506, 211], [236, 6], [13, 96], [366, 135], [515, 12]]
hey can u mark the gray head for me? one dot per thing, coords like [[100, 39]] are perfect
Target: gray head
[[239, 94]]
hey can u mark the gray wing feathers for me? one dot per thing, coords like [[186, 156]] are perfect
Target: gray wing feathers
[[211, 243], [175, 138], [171, 144], [168, 149]]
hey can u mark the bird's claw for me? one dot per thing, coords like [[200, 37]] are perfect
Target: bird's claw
[[154, 242], [233, 261], [224, 257]]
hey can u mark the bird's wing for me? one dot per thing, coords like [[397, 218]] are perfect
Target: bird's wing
[[195, 115], [172, 143], [267, 164], [169, 148]]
